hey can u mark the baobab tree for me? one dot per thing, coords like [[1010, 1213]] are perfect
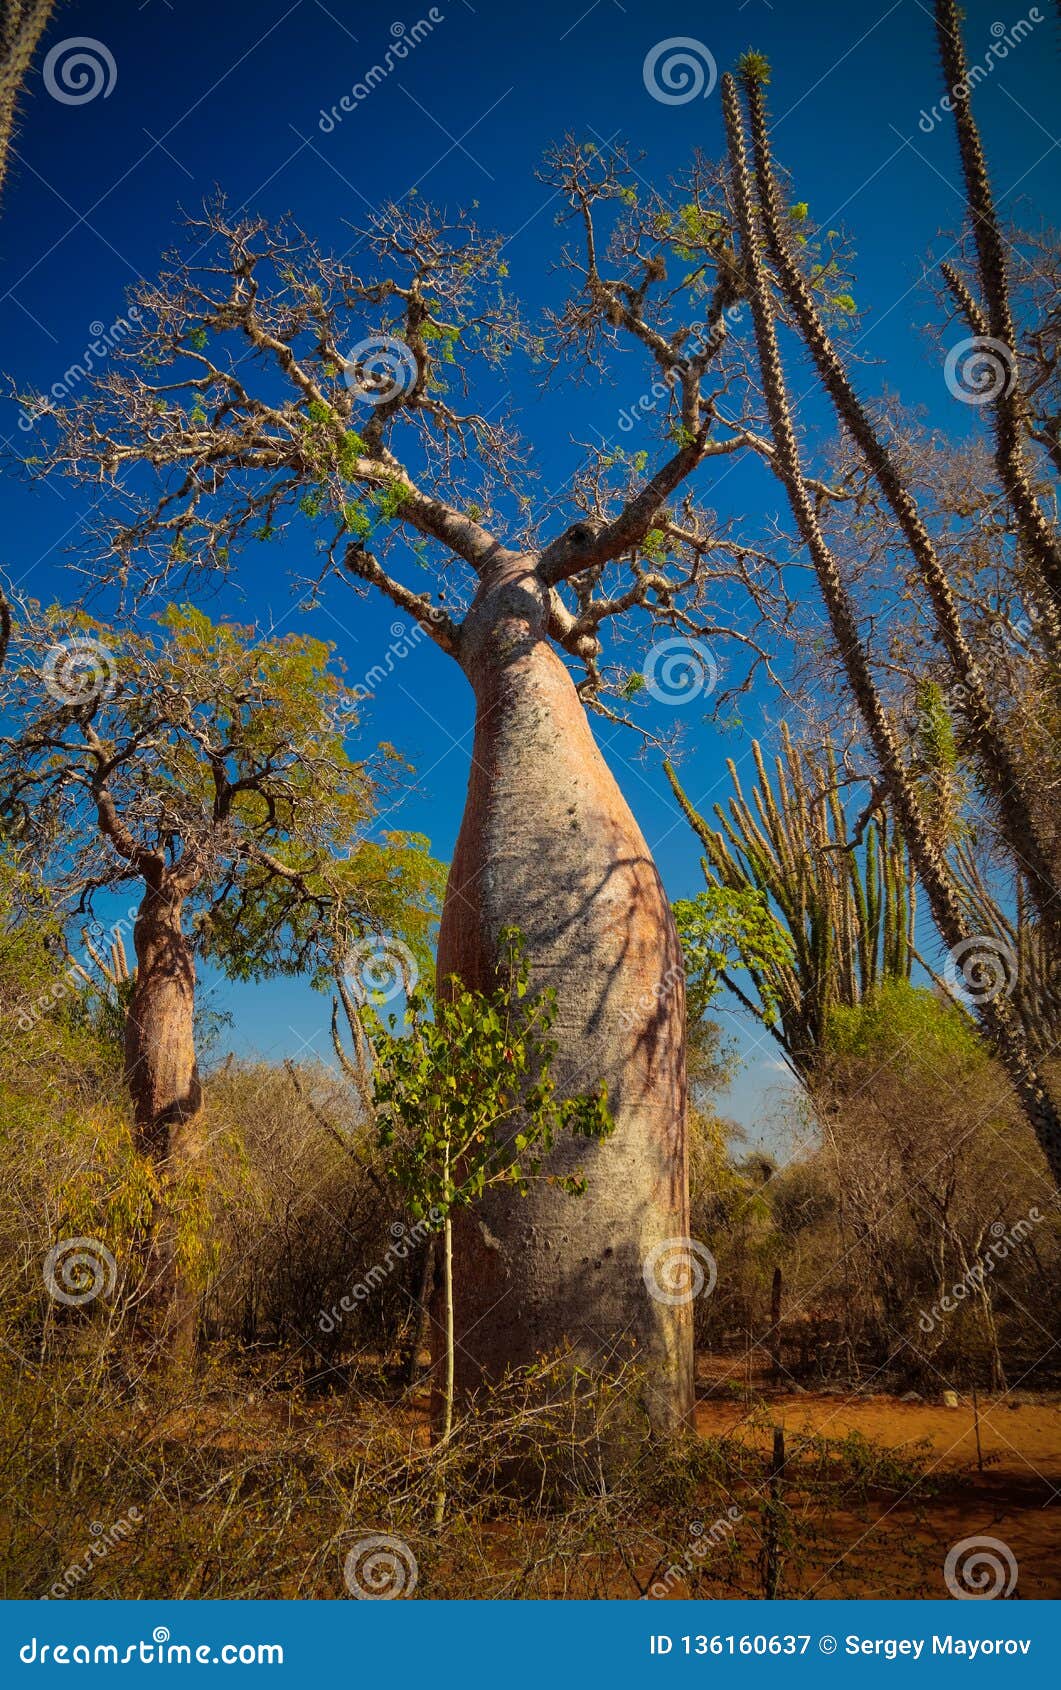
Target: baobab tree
[[274, 391], [348, 416], [213, 773]]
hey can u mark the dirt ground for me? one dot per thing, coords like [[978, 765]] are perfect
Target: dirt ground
[[1010, 1489]]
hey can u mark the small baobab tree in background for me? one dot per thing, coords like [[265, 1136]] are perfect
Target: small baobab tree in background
[[466, 1103], [837, 910], [212, 771]]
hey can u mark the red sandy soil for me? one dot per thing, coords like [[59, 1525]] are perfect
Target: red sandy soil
[[1014, 1497], [886, 1548]]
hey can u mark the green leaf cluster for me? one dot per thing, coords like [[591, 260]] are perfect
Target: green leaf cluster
[[465, 1095], [722, 928]]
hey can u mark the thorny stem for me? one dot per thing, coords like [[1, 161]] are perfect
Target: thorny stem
[[1009, 406], [985, 731], [995, 1014]]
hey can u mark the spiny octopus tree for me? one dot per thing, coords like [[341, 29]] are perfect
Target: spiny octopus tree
[[22, 24], [273, 388], [878, 481]]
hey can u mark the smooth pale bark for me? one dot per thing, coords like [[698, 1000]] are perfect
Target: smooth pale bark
[[160, 1066], [163, 1080], [549, 845]]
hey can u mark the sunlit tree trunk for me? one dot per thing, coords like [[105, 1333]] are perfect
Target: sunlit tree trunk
[[163, 1081], [548, 845]]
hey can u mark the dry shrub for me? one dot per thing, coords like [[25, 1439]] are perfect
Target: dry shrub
[[303, 1214], [259, 1475], [921, 1177], [153, 1487]]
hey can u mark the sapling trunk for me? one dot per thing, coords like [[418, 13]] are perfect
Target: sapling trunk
[[447, 1424], [422, 1315], [447, 1296], [448, 1394]]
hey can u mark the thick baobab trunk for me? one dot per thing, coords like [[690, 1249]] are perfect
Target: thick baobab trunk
[[160, 1067], [163, 1081], [548, 845]]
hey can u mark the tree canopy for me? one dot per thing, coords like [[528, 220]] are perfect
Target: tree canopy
[[221, 763]]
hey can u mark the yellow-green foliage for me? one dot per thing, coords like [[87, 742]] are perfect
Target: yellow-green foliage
[[272, 1223], [67, 1160], [901, 1022], [238, 748]]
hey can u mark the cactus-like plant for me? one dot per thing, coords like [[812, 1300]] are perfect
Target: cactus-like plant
[[843, 906], [993, 1011]]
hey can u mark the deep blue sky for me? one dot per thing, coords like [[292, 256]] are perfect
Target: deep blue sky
[[231, 94]]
